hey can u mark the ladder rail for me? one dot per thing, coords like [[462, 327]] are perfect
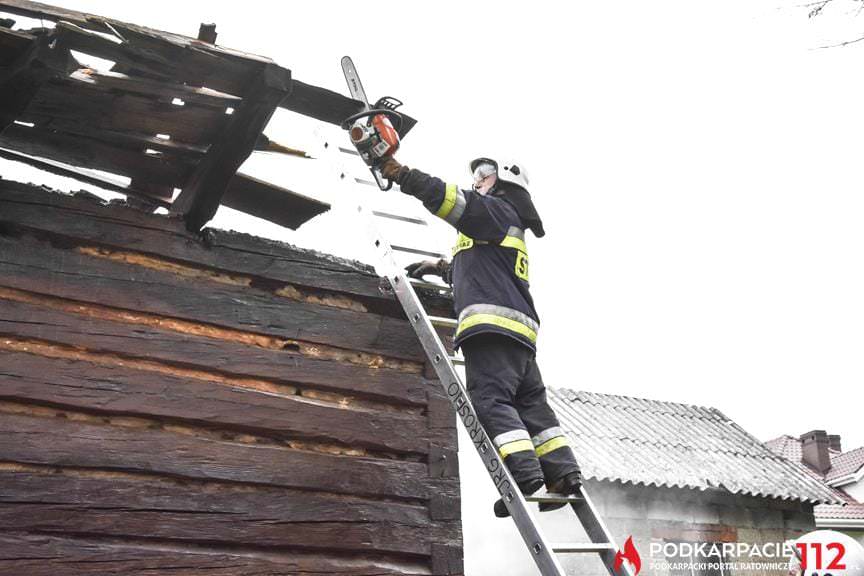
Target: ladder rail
[[598, 533]]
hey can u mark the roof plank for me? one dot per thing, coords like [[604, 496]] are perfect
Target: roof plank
[[81, 175], [329, 106], [270, 202], [71, 103], [96, 22], [92, 153], [165, 91]]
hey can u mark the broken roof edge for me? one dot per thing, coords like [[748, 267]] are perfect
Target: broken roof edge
[[198, 161], [39, 10], [209, 236], [309, 100]]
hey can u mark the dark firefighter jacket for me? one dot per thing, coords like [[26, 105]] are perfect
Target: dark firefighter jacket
[[490, 260]]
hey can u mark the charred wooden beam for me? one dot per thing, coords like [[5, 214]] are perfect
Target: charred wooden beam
[[82, 175], [245, 193], [320, 103], [155, 54], [197, 63], [166, 56], [53, 441], [382, 385], [45, 11], [447, 559], [20, 81], [93, 222], [125, 229], [13, 44], [96, 44], [271, 202], [328, 106], [153, 195], [200, 198], [152, 51], [26, 264], [47, 554], [276, 413], [262, 515], [159, 59], [77, 103], [89, 152], [162, 91]]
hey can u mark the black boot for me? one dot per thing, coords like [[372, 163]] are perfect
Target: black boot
[[569, 484], [527, 488]]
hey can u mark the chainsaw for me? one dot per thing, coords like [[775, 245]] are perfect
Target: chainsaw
[[372, 130]]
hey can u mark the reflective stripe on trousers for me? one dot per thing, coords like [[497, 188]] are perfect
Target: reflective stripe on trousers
[[549, 440], [501, 316], [513, 441]]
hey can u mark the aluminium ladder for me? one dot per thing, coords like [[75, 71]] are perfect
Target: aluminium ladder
[[542, 551]]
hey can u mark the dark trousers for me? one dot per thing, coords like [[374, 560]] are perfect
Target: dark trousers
[[507, 392]]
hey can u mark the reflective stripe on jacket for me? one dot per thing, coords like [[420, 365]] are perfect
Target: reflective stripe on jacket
[[490, 259]]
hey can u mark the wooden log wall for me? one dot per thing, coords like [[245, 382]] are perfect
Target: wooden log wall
[[174, 403]]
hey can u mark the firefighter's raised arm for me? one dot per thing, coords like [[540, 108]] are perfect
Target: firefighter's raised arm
[[475, 215]]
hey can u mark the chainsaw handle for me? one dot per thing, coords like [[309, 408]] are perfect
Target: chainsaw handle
[[392, 114], [379, 179]]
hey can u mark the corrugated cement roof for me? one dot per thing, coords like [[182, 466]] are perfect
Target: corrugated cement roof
[[675, 445]]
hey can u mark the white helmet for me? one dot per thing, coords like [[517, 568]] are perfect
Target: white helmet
[[513, 173], [508, 171]]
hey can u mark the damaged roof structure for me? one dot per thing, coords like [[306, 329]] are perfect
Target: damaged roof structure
[[178, 399], [172, 113]]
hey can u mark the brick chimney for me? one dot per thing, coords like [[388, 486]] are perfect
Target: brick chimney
[[834, 442], [814, 450]]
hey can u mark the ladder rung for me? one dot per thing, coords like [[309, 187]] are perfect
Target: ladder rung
[[366, 182], [401, 218], [582, 548], [430, 285], [416, 251], [349, 151], [441, 321], [553, 497], [458, 360]]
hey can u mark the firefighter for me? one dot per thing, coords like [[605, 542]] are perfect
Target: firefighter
[[497, 326]]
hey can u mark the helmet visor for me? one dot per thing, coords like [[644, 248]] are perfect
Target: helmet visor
[[483, 170]]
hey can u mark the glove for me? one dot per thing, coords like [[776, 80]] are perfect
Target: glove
[[392, 170], [434, 268]]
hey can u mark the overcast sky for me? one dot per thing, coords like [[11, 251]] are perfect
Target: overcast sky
[[697, 166]]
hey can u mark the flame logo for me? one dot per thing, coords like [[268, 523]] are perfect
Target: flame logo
[[630, 554]]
